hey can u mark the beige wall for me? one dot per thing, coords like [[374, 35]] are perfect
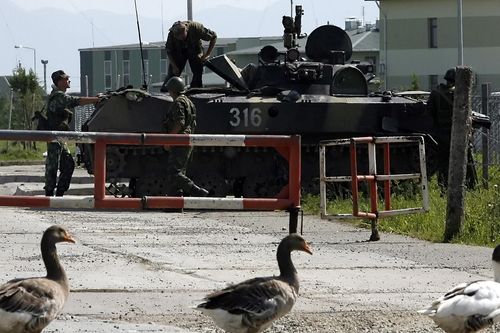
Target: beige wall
[[408, 39]]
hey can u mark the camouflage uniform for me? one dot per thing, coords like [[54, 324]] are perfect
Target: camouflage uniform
[[440, 105], [58, 155], [189, 50], [182, 112]]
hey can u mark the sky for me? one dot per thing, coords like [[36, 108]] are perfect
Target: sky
[[58, 28]]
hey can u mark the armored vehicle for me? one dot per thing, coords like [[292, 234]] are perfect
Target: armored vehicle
[[319, 95]]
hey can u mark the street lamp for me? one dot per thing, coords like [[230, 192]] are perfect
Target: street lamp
[[34, 68], [34, 54], [45, 62]]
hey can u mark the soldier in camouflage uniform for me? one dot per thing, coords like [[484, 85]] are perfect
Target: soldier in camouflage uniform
[[180, 119], [59, 115], [440, 105], [184, 44]]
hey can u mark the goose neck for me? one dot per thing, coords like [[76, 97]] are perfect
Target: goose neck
[[54, 269], [285, 264]]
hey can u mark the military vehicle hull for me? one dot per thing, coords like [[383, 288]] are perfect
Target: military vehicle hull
[[252, 172]]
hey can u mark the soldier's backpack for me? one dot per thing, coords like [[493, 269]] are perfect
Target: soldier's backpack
[[42, 121]]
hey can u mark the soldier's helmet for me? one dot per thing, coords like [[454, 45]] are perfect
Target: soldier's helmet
[[450, 75], [175, 84]]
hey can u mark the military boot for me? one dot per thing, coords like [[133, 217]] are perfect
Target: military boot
[[49, 193], [59, 193], [197, 191]]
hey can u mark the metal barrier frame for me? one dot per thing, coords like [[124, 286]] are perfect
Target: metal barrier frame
[[288, 146], [372, 178]]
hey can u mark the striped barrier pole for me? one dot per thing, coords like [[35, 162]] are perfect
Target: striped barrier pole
[[288, 146]]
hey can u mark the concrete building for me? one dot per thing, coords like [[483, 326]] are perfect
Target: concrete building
[[111, 67], [420, 37]]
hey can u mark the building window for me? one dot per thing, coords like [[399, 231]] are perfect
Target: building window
[[163, 69], [107, 74], [126, 72], [372, 60], [433, 81], [163, 64], [145, 74], [433, 33]]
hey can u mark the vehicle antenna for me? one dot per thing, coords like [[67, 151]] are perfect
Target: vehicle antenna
[[144, 84]]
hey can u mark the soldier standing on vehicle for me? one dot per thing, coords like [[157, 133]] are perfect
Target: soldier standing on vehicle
[[180, 119], [59, 116], [184, 44], [440, 105]]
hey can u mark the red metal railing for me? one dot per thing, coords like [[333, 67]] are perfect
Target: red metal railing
[[287, 146], [372, 178]]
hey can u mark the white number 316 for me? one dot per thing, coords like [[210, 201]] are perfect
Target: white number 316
[[245, 117]]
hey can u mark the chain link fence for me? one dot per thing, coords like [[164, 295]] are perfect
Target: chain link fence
[[494, 131], [82, 113]]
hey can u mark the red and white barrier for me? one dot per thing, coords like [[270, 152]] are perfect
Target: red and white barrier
[[287, 146]]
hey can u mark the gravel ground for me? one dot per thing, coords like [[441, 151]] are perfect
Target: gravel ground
[[143, 271]]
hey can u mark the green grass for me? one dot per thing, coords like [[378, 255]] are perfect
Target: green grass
[[481, 223], [15, 151]]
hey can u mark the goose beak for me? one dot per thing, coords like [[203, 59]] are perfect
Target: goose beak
[[306, 248], [68, 238]]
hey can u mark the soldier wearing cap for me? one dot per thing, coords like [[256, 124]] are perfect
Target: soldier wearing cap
[[180, 119], [184, 44], [59, 114], [440, 106]]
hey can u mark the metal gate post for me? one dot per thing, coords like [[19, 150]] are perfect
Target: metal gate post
[[387, 171], [99, 171], [294, 218], [354, 178], [294, 166], [322, 181], [372, 165]]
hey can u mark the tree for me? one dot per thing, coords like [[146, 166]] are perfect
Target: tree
[[28, 97], [414, 85], [4, 112]]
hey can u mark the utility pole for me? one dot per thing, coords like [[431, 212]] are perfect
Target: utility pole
[[190, 10], [10, 111], [460, 129], [190, 18], [385, 44], [460, 33]]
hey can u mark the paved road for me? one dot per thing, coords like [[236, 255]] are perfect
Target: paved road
[[29, 180], [142, 271]]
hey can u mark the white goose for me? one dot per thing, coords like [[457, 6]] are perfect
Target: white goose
[[29, 305], [469, 307], [252, 305]]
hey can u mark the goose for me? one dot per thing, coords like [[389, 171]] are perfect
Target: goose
[[469, 307], [251, 306], [29, 305]]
